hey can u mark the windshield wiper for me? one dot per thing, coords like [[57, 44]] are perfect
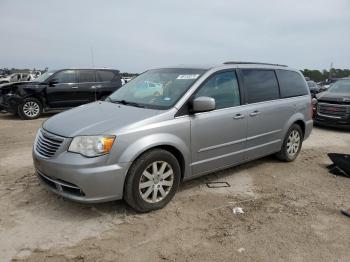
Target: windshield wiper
[[124, 102]]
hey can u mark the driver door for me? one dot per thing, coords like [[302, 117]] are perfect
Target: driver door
[[218, 137], [62, 90]]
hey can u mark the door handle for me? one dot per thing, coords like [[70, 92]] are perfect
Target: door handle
[[96, 86], [74, 87], [255, 113], [238, 116]]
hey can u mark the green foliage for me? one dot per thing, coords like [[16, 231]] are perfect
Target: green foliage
[[129, 74], [319, 76]]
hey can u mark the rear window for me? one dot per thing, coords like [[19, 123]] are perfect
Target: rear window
[[105, 76], [261, 85], [291, 84]]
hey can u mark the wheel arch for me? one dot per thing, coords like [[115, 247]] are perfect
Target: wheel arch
[[302, 125], [295, 119], [37, 96], [177, 147]]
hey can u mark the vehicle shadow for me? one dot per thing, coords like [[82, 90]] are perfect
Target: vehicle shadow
[[331, 128], [9, 116]]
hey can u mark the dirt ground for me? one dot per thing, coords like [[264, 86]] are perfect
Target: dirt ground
[[291, 212]]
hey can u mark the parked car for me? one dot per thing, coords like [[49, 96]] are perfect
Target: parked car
[[314, 88], [333, 105], [16, 77], [139, 148], [58, 90], [326, 84]]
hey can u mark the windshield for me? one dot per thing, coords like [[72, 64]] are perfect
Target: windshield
[[157, 89], [43, 77], [341, 86]]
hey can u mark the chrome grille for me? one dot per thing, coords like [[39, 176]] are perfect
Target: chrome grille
[[47, 144], [332, 110]]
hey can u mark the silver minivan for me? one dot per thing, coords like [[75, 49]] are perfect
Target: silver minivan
[[143, 140]]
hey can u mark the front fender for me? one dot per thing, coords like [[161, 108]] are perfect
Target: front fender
[[145, 143]]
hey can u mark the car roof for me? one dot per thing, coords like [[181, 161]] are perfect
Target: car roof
[[56, 70], [233, 64]]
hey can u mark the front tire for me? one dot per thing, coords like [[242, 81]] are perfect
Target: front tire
[[292, 144], [152, 180], [30, 108]]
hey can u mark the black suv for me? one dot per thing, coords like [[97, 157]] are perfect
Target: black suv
[[58, 90], [333, 105]]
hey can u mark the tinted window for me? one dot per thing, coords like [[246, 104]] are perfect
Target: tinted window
[[104, 75], [291, 83], [86, 76], [223, 87], [261, 85], [67, 76]]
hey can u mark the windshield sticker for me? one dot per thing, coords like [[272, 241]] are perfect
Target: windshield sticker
[[186, 77]]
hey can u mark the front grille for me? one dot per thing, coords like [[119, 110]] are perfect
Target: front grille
[[333, 110], [60, 185], [47, 144]]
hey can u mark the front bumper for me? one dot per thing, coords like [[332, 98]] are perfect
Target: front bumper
[[335, 115], [78, 178], [332, 122], [9, 103]]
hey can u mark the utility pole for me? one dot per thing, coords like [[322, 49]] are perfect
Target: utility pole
[[92, 57]]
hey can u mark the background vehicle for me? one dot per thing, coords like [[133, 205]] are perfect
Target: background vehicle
[[333, 105], [139, 147], [58, 90], [16, 77], [313, 87]]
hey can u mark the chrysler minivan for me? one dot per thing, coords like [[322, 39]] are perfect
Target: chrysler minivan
[[138, 145]]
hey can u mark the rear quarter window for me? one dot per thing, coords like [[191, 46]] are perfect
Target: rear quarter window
[[291, 83]]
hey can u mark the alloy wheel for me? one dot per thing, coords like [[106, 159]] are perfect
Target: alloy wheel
[[156, 181], [293, 143], [31, 109]]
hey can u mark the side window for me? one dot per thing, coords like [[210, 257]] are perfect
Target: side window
[[86, 76], [261, 85], [223, 87], [15, 78], [105, 75], [67, 76], [291, 83]]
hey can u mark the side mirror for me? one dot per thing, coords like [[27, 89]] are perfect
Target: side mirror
[[203, 104], [53, 82]]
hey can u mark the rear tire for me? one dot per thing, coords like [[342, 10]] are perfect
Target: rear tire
[[152, 180], [30, 108], [292, 144]]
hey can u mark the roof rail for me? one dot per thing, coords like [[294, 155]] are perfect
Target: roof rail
[[250, 63]]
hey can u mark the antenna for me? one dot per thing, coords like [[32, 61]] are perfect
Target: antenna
[[92, 57]]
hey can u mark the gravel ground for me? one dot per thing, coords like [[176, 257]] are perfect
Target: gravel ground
[[291, 212]]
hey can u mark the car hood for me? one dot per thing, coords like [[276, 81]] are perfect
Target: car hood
[[97, 118], [15, 85], [339, 98]]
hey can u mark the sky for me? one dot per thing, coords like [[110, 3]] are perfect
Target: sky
[[133, 36]]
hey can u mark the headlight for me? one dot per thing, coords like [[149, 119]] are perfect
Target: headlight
[[91, 146]]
